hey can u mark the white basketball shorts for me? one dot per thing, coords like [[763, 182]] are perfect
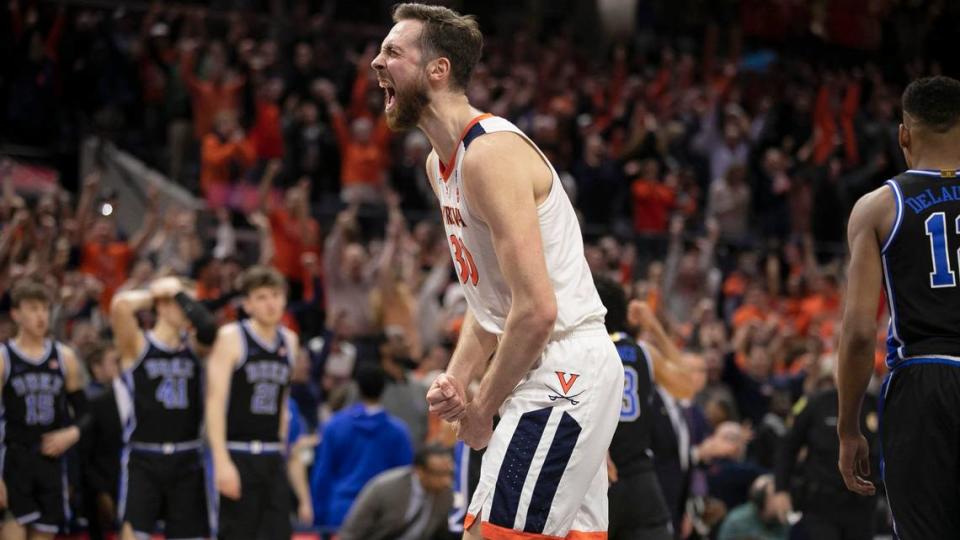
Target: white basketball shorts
[[544, 473]]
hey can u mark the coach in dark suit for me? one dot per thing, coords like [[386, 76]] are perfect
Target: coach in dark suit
[[406, 503]]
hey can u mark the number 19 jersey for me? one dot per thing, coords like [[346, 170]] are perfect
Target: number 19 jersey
[[165, 385], [257, 386], [475, 261], [921, 259]]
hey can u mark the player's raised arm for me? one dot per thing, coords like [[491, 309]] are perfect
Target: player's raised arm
[[127, 336], [858, 338], [501, 178], [223, 357], [668, 369]]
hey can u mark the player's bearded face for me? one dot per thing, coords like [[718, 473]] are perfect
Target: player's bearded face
[[405, 103]]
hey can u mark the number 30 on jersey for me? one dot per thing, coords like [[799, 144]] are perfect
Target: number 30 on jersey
[[466, 268]]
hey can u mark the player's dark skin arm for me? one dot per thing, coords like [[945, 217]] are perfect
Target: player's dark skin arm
[[869, 224], [668, 369]]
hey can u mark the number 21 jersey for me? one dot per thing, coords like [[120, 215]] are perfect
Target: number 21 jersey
[[921, 259], [257, 387]]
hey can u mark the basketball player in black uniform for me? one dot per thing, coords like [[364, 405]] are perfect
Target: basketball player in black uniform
[[638, 510], [40, 378], [905, 236], [162, 476], [248, 376]]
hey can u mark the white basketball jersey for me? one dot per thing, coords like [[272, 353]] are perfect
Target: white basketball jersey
[[471, 245]]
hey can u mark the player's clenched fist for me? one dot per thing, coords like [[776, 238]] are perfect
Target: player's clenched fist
[[447, 397]]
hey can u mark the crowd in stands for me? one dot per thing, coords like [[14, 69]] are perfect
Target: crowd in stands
[[713, 171]]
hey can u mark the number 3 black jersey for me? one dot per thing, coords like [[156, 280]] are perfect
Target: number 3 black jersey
[[921, 260], [257, 387], [630, 448], [166, 387], [34, 393]]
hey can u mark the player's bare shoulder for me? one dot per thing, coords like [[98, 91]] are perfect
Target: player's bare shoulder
[[505, 157], [228, 342], [290, 338], [877, 210], [229, 330]]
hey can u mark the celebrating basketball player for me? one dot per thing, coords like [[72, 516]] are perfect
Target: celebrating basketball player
[[555, 377]]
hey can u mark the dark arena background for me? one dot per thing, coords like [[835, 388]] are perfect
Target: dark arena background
[[713, 151]]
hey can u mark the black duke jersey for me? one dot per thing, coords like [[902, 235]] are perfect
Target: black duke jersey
[[921, 259], [257, 387], [630, 448], [34, 393], [166, 387]]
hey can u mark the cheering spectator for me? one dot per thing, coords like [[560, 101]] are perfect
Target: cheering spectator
[[363, 152], [729, 204], [104, 255], [227, 153], [214, 96], [349, 278]]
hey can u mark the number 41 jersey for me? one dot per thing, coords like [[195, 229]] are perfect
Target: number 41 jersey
[[257, 387], [165, 387], [921, 259]]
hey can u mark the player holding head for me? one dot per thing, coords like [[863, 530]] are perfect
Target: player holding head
[[162, 476], [248, 375], [518, 252], [905, 236], [40, 378]]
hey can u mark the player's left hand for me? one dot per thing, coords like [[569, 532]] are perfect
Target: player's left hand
[[855, 464], [475, 428], [55, 443], [305, 512], [447, 397]]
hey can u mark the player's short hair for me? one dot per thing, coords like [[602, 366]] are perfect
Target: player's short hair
[[94, 354], [615, 300], [934, 102], [371, 380], [29, 289], [424, 454], [448, 34], [259, 276]]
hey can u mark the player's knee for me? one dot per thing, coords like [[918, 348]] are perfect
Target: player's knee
[[473, 533]]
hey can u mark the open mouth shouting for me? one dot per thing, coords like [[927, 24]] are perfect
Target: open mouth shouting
[[390, 95]]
